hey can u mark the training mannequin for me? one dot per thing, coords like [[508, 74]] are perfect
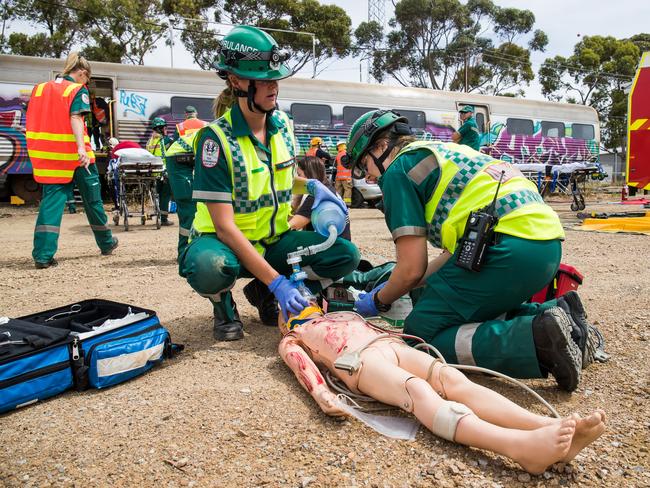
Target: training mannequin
[[441, 397]]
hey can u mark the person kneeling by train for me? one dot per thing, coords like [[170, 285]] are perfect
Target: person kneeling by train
[[243, 182], [433, 191]]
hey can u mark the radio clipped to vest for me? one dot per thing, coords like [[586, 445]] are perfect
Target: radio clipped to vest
[[479, 234]]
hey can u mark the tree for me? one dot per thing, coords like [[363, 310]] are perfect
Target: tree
[[596, 74], [330, 24], [450, 45], [60, 25], [123, 30], [642, 41]]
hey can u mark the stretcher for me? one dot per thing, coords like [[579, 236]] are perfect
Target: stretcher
[[134, 175]]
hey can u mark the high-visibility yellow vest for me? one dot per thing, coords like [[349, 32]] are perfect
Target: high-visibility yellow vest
[[51, 143], [261, 192], [468, 181], [182, 145]]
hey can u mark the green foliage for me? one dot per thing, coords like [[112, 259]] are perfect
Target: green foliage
[[446, 44], [642, 41], [596, 74]]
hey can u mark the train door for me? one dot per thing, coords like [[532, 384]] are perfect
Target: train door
[[102, 126], [482, 116]]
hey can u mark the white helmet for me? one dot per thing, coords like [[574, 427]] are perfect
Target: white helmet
[[113, 141]]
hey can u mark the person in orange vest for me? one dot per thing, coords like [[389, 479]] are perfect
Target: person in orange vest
[[98, 120], [191, 123], [316, 150], [343, 182], [59, 149]]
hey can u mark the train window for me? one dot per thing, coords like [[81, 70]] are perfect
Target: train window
[[417, 119], [523, 127], [582, 131], [351, 114], [552, 129], [480, 122], [202, 105], [311, 114]]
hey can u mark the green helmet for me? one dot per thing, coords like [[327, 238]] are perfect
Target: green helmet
[[364, 130], [251, 54], [158, 122]]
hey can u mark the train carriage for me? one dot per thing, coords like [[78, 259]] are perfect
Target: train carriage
[[540, 136]]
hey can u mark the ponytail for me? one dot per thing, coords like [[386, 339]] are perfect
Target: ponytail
[[74, 62], [223, 101]]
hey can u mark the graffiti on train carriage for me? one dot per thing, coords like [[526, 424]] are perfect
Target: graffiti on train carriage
[[13, 147], [133, 102]]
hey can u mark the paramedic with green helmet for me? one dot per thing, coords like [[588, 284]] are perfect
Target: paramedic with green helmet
[[157, 145], [243, 182], [474, 318], [468, 133]]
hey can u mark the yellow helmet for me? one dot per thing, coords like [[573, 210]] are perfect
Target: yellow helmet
[[315, 141], [341, 145]]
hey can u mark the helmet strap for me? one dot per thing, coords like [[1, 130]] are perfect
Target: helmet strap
[[249, 95], [379, 161]]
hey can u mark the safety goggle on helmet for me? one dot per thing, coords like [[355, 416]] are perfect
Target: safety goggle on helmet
[[363, 134]]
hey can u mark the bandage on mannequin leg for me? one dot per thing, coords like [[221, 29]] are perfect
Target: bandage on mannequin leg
[[446, 418]]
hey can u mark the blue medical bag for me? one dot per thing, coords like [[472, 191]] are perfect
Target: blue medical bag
[[95, 343]]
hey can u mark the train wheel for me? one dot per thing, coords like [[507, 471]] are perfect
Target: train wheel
[[25, 187]]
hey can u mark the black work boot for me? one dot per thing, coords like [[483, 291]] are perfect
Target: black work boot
[[556, 351], [227, 324], [580, 330], [259, 295]]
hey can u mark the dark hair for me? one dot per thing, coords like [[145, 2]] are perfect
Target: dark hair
[[313, 167]]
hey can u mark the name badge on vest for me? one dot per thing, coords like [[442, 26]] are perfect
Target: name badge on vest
[[285, 164], [210, 154]]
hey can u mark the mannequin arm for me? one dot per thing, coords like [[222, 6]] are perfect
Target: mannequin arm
[[295, 356]]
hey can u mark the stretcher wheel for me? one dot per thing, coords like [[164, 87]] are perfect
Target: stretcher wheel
[[116, 218], [143, 219], [575, 207], [158, 221]]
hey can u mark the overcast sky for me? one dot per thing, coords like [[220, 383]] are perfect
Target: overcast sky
[[563, 20]]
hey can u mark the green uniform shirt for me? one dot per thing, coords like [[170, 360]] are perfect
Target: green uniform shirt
[[211, 172], [405, 196], [469, 134], [81, 102]]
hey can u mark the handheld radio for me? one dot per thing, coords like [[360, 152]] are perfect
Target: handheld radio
[[479, 234]]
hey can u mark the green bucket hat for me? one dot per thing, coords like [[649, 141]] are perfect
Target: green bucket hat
[[467, 108], [251, 54]]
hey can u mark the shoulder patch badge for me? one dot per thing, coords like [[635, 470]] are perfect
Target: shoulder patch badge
[[210, 153], [85, 99]]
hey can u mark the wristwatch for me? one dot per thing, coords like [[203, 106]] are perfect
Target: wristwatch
[[381, 307]]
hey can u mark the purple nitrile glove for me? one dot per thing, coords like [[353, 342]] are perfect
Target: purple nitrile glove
[[365, 305], [289, 298], [321, 194]]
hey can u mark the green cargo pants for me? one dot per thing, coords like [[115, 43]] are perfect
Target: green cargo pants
[[50, 212], [181, 177], [211, 268], [164, 196], [478, 318]]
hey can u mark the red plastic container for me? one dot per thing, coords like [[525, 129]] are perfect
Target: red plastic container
[[566, 279]]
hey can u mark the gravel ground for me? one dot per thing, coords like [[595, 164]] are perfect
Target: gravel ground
[[231, 414]]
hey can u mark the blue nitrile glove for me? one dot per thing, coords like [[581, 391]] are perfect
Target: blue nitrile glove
[[289, 298], [365, 305], [321, 194]]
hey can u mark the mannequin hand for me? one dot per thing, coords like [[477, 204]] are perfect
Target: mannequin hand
[[289, 298], [321, 194], [328, 403], [365, 305]]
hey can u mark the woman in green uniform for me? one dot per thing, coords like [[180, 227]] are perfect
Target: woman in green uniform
[[243, 182], [474, 318]]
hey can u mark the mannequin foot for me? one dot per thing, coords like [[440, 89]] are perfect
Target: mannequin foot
[[588, 429], [542, 447]]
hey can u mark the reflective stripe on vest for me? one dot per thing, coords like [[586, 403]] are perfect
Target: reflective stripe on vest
[[261, 198], [467, 184], [190, 126], [50, 141], [342, 173], [182, 145]]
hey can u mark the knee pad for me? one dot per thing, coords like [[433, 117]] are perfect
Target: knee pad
[[447, 417]]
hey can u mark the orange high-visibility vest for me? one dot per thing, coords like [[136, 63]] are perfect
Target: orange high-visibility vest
[[342, 173], [311, 151], [99, 113], [50, 141], [189, 126]]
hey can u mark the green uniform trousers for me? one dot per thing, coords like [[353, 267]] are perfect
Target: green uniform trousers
[[480, 318], [164, 196], [181, 177], [50, 212], [211, 268]]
